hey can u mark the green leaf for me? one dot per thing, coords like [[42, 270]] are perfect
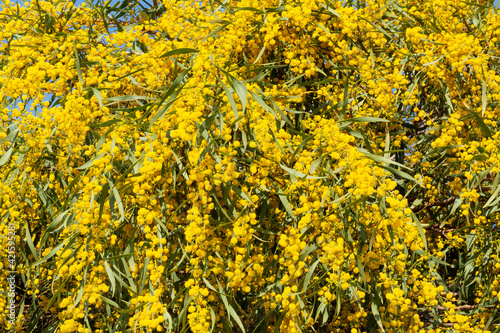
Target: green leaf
[[495, 183], [484, 96], [229, 308], [111, 276], [479, 157], [494, 195], [331, 10], [12, 135], [385, 33], [420, 229], [381, 159], [82, 288], [260, 54], [387, 146], [309, 275], [401, 174], [230, 99], [250, 9], [53, 252], [345, 100], [51, 228], [298, 174], [6, 156], [482, 124], [214, 32], [98, 95], [29, 240], [105, 124], [261, 102], [127, 98], [179, 51], [77, 64], [144, 275], [240, 192], [287, 206], [355, 134], [301, 146], [363, 120], [361, 269], [119, 202], [89, 163], [241, 90], [376, 314], [209, 285], [171, 94], [276, 9], [110, 302], [315, 165]]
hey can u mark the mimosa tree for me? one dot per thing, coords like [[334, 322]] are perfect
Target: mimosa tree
[[250, 166]]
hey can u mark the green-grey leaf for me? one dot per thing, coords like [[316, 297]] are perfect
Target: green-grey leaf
[[179, 51], [241, 90]]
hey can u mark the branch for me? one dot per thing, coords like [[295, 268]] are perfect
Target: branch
[[440, 231], [441, 203]]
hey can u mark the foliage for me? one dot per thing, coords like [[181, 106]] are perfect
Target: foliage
[[253, 166]]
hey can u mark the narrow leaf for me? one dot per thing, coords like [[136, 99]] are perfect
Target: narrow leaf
[[179, 51]]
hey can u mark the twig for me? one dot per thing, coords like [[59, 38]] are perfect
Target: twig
[[434, 204]]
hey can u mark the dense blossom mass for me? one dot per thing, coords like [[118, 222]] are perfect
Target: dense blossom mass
[[250, 166]]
